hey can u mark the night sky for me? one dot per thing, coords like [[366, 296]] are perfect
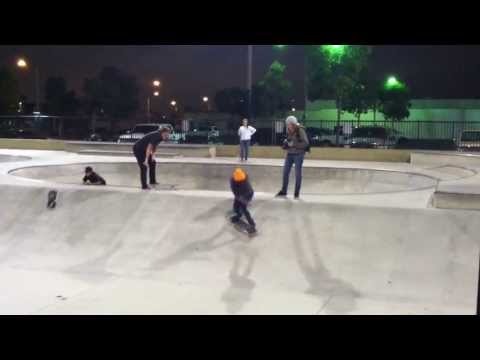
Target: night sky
[[189, 72]]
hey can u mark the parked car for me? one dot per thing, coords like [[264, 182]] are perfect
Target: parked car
[[203, 135], [99, 135], [325, 137], [469, 141], [141, 130], [373, 137]]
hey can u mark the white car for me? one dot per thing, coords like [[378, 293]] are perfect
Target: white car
[[140, 130]]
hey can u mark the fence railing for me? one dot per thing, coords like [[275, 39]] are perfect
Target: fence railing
[[441, 135]]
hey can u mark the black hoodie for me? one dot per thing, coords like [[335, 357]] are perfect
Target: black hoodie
[[243, 191]]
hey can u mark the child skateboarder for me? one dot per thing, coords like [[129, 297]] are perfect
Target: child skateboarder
[[92, 178], [243, 192]]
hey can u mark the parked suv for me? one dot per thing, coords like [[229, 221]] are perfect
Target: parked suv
[[141, 130], [373, 137]]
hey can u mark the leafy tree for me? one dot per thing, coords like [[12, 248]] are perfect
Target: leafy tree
[[112, 93], [59, 100], [9, 92], [275, 91], [395, 100], [232, 101]]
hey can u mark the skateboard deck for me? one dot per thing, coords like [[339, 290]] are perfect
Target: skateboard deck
[[52, 199]]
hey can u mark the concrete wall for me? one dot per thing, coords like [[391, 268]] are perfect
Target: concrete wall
[[27, 144], [338, 154]]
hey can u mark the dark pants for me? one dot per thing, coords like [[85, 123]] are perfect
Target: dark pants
[[291, 159], [143, 169], [244, 148], [241, 209]]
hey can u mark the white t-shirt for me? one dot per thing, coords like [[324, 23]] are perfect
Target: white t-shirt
[[246, 132]]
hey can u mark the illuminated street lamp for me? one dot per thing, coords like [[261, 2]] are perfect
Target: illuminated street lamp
[[173, 103], [156, 93], [22, 64], [393, 83], [206, 102]]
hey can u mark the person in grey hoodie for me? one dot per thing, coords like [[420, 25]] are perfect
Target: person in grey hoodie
[[295, 145]]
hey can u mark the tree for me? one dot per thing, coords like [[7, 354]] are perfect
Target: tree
[[336, 71], [275, 91], [113, 93], [59, 100], [9, 92], [356, 101], [395, 100], [232, 101]]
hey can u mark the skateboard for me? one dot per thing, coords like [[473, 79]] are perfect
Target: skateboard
[[52, 199], [242, 226]]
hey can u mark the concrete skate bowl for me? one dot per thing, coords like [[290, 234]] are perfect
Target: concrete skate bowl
[[10, 158], [136, 253], [214, 177]]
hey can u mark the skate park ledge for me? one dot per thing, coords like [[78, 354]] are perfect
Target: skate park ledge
[[192, 150]]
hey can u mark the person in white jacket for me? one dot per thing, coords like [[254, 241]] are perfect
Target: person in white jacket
[[245, 133]]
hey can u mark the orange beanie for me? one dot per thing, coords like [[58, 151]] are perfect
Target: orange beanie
[[239, 175]]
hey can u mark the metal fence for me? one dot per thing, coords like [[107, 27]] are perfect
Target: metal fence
[[435, 135]]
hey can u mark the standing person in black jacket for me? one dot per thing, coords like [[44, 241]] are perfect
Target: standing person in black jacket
[[243, 192], [144, 150]]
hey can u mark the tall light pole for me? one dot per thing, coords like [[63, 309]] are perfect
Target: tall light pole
[[206, 102], [250, 79], [22, 64]]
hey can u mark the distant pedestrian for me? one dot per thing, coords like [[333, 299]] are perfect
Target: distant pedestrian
[[245, 133], [296, 144]]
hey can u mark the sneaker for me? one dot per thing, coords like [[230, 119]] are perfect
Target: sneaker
[[281, 194], [154, 183], [297, 196], [252, 230], [235, 219], [146, 188]]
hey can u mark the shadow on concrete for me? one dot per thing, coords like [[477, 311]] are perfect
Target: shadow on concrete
[[239, 293], [208, 244], [337, 296]]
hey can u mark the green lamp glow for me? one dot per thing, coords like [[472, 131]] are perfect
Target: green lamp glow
[[393, 83]]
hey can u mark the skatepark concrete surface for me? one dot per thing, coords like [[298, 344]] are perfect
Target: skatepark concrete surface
[[364, 239]]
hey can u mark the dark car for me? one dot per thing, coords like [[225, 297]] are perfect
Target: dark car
[[373, 137], [323, 137]]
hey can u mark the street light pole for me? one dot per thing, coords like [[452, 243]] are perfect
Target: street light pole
[[250, 79], [37, 88], [148, 109], [305, 84]]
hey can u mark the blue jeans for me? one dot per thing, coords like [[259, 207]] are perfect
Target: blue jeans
[[244, 146], [291, 159]]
